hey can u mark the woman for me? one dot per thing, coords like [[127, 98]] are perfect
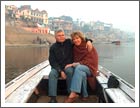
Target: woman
[[85, 63]]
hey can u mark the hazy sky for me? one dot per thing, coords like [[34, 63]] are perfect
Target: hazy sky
[[122, 14]]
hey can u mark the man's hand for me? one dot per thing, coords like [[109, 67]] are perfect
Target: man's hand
[[63, 75], [89, 46]]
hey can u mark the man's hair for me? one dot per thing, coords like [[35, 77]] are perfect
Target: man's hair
[[58, 30]]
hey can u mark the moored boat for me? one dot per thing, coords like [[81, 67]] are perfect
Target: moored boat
[[23, 88], [117, 42]]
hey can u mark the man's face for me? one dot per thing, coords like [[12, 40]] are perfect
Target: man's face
[[60, 37]]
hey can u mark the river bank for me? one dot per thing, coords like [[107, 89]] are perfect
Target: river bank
[[17, 36]]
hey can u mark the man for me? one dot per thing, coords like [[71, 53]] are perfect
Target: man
[[60, 54]]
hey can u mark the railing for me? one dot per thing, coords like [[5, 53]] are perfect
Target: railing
[[15, 83]]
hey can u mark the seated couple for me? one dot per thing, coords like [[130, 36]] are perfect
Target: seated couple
[[74, 61]]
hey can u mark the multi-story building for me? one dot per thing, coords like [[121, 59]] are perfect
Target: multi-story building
[[11, 10], [40, 17], [107, 27], [56, 23], [25, 12]]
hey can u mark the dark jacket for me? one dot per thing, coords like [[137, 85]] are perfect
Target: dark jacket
[[60, 54]]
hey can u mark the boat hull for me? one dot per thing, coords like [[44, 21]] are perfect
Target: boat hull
[[22, 89]]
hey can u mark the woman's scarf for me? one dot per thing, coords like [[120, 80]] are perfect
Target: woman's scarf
[[83, 56]]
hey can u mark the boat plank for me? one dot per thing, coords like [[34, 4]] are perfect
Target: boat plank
[[127, 88], [118, 96], [23, 93], [19, 81], [102, 79]]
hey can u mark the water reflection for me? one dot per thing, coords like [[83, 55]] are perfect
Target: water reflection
[[120, 59], [20, 59]]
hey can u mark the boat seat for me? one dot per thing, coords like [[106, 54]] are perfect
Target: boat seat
[[117, 95]]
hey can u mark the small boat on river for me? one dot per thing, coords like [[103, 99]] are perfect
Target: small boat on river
[[117, 42], [22, 89]]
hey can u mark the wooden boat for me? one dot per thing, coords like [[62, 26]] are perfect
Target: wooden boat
[[22, 89]]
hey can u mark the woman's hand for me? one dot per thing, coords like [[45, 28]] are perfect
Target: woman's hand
[[75, 64], [68, 65]]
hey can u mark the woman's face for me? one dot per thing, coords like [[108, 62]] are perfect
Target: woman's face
[[76, 40]]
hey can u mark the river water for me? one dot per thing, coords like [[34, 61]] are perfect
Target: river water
[[120, 59]]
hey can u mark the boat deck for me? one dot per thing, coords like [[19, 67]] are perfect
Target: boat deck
[[62, 94], [61, 98]]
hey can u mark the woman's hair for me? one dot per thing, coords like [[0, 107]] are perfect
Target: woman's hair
[[79, 34]]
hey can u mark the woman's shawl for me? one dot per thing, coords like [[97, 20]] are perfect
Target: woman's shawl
[[83, 56]]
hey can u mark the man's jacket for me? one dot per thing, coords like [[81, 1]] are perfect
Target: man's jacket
[[61, 54]]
